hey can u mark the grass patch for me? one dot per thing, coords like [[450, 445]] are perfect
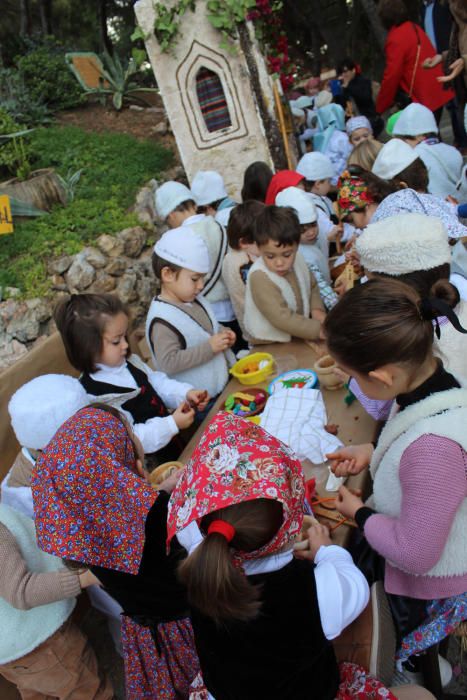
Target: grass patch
[[114, 167]]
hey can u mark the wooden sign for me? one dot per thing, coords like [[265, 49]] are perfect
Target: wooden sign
[[6, 220]]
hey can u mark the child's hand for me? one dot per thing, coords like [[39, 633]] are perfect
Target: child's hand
[[318, 315], [335, 232], [87, 579], [318, 536], [198, 399], [221, 341], [170, 483], [347, 502], [184, 415], [351, 459], [432, 61], [232, 336]]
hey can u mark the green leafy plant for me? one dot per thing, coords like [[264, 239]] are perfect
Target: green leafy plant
[[46, 76], [69, 183], [15, 153], [225, 15], [119, 76], [167, 21]]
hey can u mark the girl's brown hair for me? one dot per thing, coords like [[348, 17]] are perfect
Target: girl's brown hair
[[378, 188], [214, 585], [242, 223], [256, 181], [384, 321], [81, 321], [415, 176]]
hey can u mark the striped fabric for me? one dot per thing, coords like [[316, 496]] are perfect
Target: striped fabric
[[212, 100]]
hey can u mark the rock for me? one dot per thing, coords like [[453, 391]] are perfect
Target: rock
[[25, 323], [12, 292], [145, 289], [133, 240], [144, 206], [59, 265], [10, 352], [162, 128], [94, 257], [58, 282], [136, 108], [126, 288], [80, 275], [156, 110], [110, 245], [116, 266], [103, 283]]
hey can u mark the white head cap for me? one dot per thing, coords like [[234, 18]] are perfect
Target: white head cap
[[360, 122], [393, 158], [39, 407], [169, 195], [183, 247], [300, 201], [303, 102], [208, 186], [414, 120], [323, 98], [315, 166], [403, 243]]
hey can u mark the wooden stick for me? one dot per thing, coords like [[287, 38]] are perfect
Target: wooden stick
[[283, 130]]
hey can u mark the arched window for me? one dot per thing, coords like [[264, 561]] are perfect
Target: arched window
[[211, 98]]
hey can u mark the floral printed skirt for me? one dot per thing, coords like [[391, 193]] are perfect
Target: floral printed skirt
[[355, 684], [163, 669], [443, 616]]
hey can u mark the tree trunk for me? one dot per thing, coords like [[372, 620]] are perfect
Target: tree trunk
[[45, 10], [104, 36], [25, 22], [370, 8]]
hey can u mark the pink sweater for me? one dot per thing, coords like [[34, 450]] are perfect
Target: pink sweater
[[433, 475]]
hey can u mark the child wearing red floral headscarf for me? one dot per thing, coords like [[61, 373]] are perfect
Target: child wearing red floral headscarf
[[93, 506], [262, 619]]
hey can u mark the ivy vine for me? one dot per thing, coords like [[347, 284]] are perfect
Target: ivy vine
[[167, 21]]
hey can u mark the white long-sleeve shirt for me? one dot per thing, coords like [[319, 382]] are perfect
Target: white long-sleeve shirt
[[156, 432]]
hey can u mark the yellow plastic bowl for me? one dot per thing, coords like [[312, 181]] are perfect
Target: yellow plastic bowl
[[253, 377]]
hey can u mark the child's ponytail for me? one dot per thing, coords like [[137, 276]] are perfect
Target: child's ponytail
[[215, 586], [385, 321]]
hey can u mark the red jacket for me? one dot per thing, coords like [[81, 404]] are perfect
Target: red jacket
[[401, 55]]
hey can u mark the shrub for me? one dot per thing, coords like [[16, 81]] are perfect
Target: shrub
[[17, 100], [16, 153], [47, 77]]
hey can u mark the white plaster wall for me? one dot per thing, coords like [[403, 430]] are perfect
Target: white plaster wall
[[229, 151]]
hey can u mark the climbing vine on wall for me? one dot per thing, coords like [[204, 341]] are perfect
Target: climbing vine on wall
[[225, 15]]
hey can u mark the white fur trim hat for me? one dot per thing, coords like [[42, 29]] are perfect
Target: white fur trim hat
[[39, 407], [208, 186], [300, 201], [183, 247], [403, 243], [393, 158], [315, 166], [169, 195], [360, 122], [414, 120]]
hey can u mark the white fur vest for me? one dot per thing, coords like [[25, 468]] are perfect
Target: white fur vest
[[443, 414], [257, 325], [212, 375], [452, 346], [24, 630]]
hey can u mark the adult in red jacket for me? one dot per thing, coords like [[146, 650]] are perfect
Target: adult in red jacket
[[407, 46]]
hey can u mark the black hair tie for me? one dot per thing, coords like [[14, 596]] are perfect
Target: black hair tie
[[430, 309]]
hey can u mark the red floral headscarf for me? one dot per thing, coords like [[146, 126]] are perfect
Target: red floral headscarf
[[352, 194], [279, 182], [89, 505], [238, 461]]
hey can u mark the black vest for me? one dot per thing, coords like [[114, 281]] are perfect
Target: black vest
[[146, 405], [281, 655]]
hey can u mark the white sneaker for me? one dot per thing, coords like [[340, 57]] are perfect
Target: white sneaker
[[416, 677], [445, 671]]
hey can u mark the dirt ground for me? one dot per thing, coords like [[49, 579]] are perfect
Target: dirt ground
[[141, 122]]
